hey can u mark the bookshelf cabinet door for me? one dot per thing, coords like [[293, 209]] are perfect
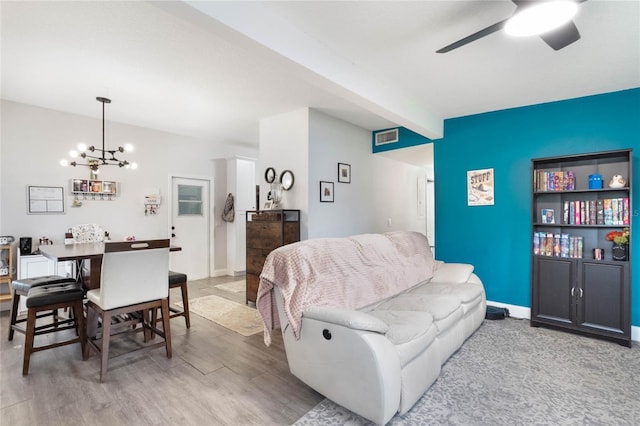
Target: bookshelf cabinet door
[[552, 300], [603, 301]]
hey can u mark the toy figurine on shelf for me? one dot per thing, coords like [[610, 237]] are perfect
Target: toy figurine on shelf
[[617, 181]]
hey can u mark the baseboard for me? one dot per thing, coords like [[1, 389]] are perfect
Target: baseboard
[[524, 312], [219, 273]]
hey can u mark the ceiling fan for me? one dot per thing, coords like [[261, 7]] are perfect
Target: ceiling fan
[[557, 38]]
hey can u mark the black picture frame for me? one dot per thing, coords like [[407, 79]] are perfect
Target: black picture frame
[[326, 192], [344, 173]]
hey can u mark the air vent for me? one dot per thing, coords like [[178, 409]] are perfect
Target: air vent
[[388, 136]]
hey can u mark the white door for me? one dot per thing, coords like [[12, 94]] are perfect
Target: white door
[[190, 226]]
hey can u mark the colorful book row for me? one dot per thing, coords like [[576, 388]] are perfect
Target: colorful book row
[[610, 211], [557, 245], [554, 181]]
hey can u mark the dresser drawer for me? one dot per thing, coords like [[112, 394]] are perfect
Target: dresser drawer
[[255, 260], [253, 282], [264, 235]]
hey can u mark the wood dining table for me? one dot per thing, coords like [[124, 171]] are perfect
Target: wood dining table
[[92, 252]]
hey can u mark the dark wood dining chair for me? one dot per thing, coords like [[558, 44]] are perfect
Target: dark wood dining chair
[[133, 283], [51, 297], [20, 288]]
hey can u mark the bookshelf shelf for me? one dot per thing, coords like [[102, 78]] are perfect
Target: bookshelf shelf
[[576, 285]]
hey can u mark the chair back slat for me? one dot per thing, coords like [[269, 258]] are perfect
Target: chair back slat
[[134, 272]]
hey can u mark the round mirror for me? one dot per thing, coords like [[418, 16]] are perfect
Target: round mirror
[[270, 175], [286, 179]]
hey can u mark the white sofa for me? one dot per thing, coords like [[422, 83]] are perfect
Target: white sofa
[[368, 321]]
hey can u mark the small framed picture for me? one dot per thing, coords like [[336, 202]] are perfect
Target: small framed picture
[[268, 205], [326, 192], [344, 173], [548, 216]]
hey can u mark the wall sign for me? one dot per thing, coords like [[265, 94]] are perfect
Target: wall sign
[[480, 187]]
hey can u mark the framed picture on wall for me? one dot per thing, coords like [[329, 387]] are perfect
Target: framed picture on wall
[[344, 173], [326, 192], [480, 187]]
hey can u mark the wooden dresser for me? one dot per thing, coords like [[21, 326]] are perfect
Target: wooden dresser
[[266, 231]]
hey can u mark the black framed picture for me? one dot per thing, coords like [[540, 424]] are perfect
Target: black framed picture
[[326, 192], [344, 173]]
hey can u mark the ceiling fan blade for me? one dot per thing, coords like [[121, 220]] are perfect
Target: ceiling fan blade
[[561, 37], [473, 37]]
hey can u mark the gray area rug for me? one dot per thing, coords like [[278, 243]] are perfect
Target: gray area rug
[[509, 373]]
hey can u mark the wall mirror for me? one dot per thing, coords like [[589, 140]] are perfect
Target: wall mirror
[[270, 175], [286, 179]]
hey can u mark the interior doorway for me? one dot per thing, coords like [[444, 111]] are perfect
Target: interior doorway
[[190, 226]]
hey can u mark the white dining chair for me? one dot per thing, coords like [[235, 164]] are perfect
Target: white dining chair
[[133, 283]]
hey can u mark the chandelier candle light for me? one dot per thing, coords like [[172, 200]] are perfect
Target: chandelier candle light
[[101, 158]]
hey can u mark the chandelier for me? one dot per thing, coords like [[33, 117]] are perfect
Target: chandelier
[[96, 157]]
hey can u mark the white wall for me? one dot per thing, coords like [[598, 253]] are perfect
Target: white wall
[[284, 146], [311, 144], [382, 195], [34, 139]]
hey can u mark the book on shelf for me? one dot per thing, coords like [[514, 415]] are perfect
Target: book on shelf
[[545, 180], [557, 245], [548, 216]]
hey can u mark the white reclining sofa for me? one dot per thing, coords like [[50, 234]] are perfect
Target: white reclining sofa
[[369, 320]]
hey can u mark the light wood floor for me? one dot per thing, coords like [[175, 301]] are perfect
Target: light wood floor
[[216, 377]]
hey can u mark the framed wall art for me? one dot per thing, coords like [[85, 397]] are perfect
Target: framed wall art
[[45, 199], [480, 187], [344, 173], [326, 192]]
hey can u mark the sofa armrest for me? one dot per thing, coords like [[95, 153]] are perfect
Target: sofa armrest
[[452, 273], [353, 319]]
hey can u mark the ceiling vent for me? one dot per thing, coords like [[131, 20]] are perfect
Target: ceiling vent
[[387, 136]]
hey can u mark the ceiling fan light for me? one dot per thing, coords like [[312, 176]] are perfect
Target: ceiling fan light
[[541, 18]]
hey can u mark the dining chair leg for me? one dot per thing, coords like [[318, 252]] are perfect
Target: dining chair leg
[[166, 326], [81, 328], [104, 355], [185, 304], [28, 340], [15, 300]]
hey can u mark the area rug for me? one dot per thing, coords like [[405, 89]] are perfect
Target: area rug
[[234, 287], [509, 373], [234, 316]]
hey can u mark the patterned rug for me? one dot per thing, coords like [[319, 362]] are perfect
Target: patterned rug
[[234, 316], [234, 287], [509, 373]]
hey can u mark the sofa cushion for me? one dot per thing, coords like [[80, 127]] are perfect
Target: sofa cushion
[[464, 292], [411, 332], [452, 272], [444, 309]]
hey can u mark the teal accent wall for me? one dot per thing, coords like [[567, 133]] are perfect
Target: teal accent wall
[[406, 138], [496, 239]]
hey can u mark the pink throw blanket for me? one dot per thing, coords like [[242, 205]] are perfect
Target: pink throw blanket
[[350, 273]]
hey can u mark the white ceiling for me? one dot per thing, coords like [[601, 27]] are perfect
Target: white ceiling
[[212, 70]]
